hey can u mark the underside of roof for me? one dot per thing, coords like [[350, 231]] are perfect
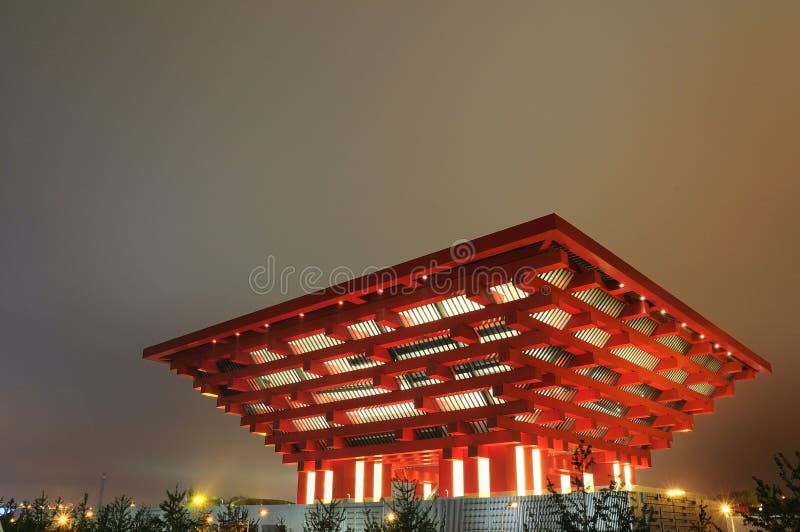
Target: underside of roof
[[536, 332]]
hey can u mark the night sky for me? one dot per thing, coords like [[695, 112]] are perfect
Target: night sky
[[153, 153]]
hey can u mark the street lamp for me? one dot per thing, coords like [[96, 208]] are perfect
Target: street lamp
[[727, 511]]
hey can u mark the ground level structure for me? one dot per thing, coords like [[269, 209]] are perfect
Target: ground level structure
[[473, 370]]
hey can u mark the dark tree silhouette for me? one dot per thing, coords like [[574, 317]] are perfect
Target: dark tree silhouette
[[779, 507]]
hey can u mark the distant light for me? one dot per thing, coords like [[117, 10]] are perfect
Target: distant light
[[663, 311], [622, 285], [214, 341], [424, 277], [266, 325], [726, 509], [198, 499], [209, 519], [683, 324], [263, 512], [341, 302], [391, 517], [513, 505], [238, 334], [702, 336], [62, 519], [716, 346], [730, 354], [302, 315], [380, 291], [675, 493], [89, 514]]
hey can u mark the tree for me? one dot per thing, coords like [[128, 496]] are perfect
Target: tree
[[143, 520], [233, 518], [7, 510], [407, 511], [81, 518], [36, 516], [779, 508], [115, 516], [324, 517], [705, 523], [176, 515], [584, 511]]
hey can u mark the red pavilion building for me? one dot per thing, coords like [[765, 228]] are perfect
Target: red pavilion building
[[472, 370]]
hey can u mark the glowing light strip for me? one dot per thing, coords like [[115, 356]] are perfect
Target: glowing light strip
[[458, 478], [588, 481], [377, 481], [617, 473], [520, 459], [327, 495], [311, 479], [359, 496], [427, 490], [628, 482], [483, 477], [565, 484], [536, 460]]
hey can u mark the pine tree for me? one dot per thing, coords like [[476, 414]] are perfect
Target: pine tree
[[7, 510], [81, 517], [115, 516], [779, 508], [235, 519], [584, 511], [324, 517], [176, 515]]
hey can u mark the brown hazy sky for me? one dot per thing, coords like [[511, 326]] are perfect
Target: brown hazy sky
[[153, 153]]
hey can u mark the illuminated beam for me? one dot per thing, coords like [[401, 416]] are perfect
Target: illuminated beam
[[399, 367], [383, 449], [484, 382], [536, 400], [411, 422]]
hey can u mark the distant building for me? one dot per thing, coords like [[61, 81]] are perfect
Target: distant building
[[472, 370]]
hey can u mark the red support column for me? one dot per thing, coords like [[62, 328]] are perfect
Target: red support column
[[303, 479], [471, 476], [539, 481], [386, 489], [502, 470], [445, 477], [319, 485], [369, 477], [344, 479]]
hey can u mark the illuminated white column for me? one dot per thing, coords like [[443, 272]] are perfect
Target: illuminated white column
[[617, 473], [377, 481], [588, 481], [484, 488], [327, 495], [520, 461], [627, 471], [427, 489], [565, 484], [458, 478], [311, 481], [359, 495], [536, 463]]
